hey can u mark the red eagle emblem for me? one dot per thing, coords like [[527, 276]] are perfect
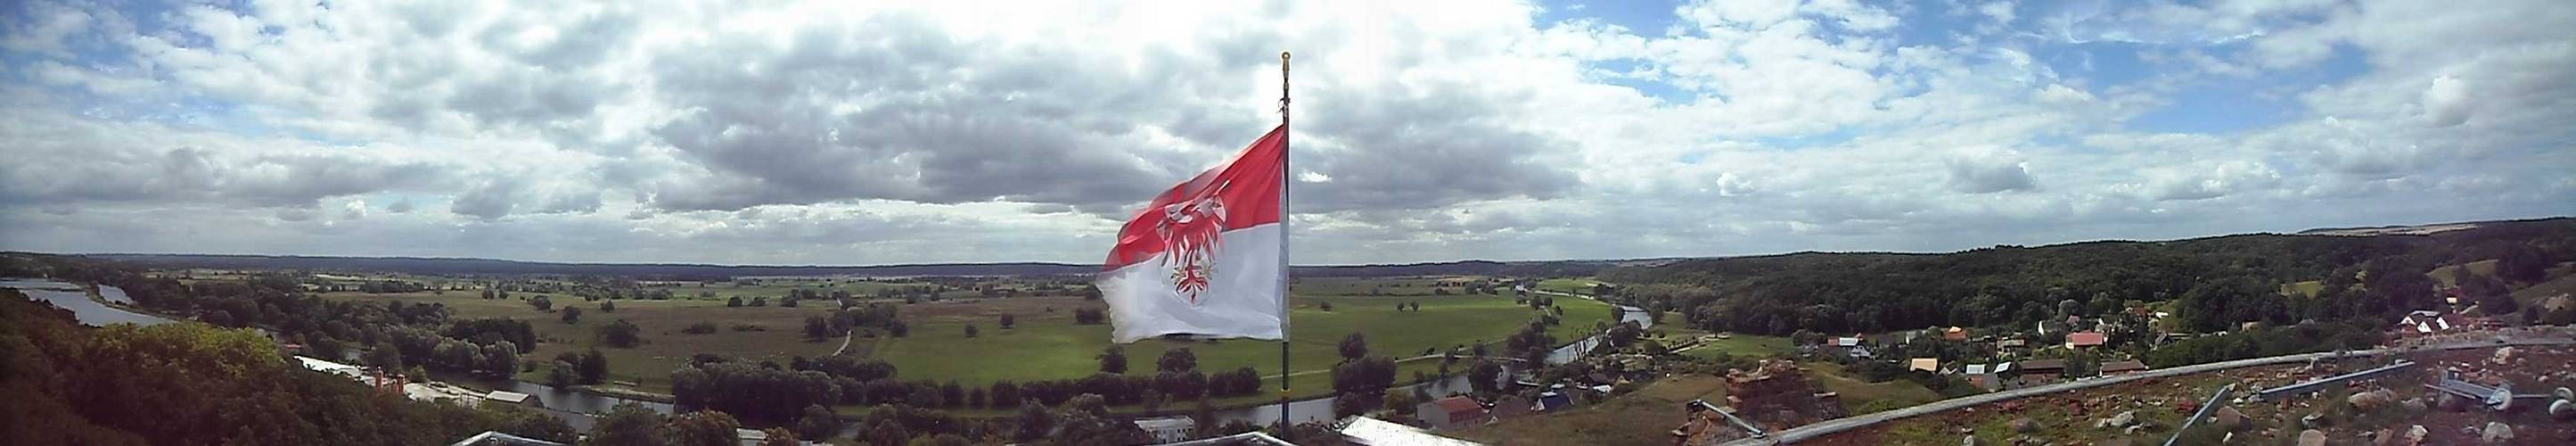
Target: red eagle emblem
[[1192, 231]]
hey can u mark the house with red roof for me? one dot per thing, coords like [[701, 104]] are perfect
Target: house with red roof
[[2086, 339]]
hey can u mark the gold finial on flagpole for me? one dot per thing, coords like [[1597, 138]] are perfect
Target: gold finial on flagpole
[[1283, 84]]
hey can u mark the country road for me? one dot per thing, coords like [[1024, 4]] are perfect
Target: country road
[[1829, 427]]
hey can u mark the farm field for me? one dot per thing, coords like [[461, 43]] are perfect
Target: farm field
[[1743, 345], [1372, 286], [1051, 346], [1045, 343], [2303, 289], [1575, 286], [2539, 294], [2449, 275], [664, 347], [1860, 396]]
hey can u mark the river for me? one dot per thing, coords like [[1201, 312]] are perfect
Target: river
[[76, 298], [1321, 408]]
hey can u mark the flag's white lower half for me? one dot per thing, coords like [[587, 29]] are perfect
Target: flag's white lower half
[[1242, 299]]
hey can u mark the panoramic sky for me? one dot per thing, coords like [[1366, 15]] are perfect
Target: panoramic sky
[[839, 132]]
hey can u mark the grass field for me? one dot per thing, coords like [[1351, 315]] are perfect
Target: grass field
[[1053, 347], [1858, 394], [2303, 289], [1575, 286], [1743, 345], [1045, 343], [2449, 275], [1638, 418], [664, 347], [2538, 294], [1363, 286]]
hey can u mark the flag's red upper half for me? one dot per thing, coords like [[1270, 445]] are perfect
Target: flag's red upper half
[[1243, 192]]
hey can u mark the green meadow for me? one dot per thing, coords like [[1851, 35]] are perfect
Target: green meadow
[[1041, 348]]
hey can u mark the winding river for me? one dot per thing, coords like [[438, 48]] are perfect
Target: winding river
[[76, 298]]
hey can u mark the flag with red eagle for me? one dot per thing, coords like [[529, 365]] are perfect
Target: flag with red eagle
[[1206, 258]]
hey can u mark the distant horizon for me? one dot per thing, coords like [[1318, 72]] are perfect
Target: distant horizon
[[1327, 265]]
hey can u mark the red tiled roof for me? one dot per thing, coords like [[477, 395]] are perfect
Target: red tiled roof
[[1458, 404], [2086, 338]]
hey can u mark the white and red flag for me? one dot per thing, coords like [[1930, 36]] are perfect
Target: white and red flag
[[1207, 258]]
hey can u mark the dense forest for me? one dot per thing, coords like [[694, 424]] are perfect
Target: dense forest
[[2212, 284], [188, 384]]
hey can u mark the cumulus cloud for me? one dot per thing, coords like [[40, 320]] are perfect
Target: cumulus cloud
[[2212, 181], [2446, 102], [1979, 170], [903, 131]]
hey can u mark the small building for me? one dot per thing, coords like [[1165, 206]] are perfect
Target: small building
[[2422, 322], [1924, 364], [2116, 368], [1955, 334], [2012, 343], [1552, 402], [2083, 339], [1985, 381], [1457, 412], [1975, 369], [512, 398], [1168, 429], [2042, 369]]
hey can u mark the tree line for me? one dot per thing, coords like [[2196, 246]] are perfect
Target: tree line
[[768, 392], [2219, 282], [197, 384]]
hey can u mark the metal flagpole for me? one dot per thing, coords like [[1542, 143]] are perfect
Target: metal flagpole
[[1284, 182]]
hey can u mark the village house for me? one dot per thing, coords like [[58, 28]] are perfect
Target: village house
[[1551, 401], [2083, 339], [510, 398], [1456, 412], [1168, 429], [1955, 334], [1852, 346], [2041, 370], [2425, 322], [1924, 364], [1979, 375]]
